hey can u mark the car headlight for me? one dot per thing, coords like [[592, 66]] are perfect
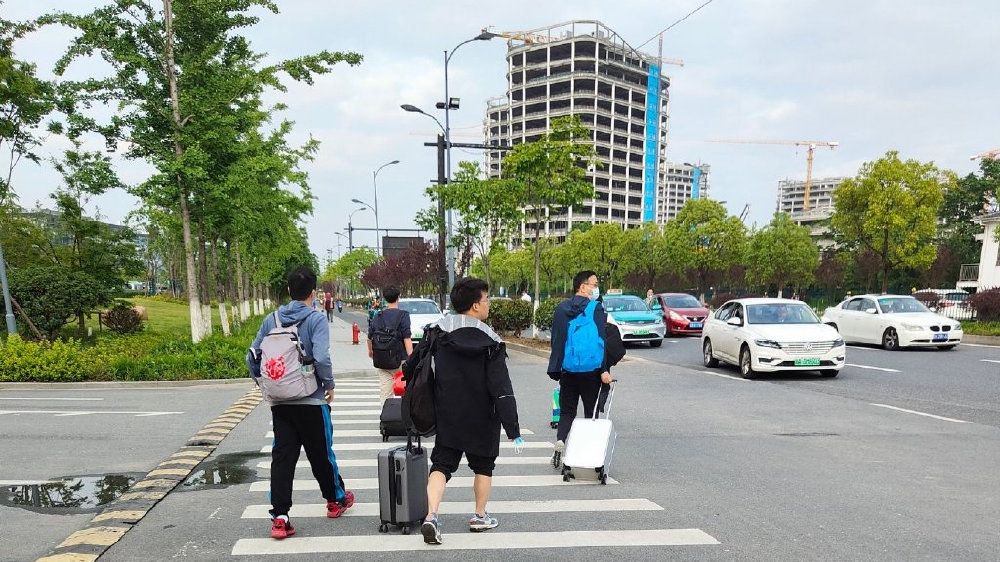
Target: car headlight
[[838, 342], [768, 343], [911, 327], [675, 316], [958, 326]]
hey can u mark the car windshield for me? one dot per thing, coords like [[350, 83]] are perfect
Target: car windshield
[[956, 297], [682, 301], [901, 305], [419, 307], [780, 313], [625, 304]]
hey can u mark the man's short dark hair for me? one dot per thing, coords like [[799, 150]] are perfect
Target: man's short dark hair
[[391, 294], [581, 278], [467, 292], [301, 283]]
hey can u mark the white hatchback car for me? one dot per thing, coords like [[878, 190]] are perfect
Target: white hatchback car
[[894, 321], [422, 312], [769, 335]]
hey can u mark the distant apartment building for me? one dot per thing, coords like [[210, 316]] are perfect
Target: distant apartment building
[[791, 200], [682, 182], [584, 68]]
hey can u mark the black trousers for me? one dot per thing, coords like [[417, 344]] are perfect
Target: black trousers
[[308, 427], [573, 387]]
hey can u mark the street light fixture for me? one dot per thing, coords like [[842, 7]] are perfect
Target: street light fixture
[[350, 229], [360, 202], [378, 235]]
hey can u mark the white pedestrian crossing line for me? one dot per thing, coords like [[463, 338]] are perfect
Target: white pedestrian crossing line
[[362, 421], [989, 361], [457, 508], [62, 399], [476, 541], [357, 384], [66, 413], [370, 433], [379, 445], [373, 463], [455, 482], [355, 413], [337, 403]]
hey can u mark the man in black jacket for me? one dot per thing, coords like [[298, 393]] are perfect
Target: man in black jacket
[[575, 386], [473, 396]]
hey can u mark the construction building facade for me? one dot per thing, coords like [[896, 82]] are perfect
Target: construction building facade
[[791, 200], [583, 68], [681, 183]]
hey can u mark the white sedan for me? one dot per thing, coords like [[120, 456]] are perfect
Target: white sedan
[[894, 321], [768, 335], [422, 312]]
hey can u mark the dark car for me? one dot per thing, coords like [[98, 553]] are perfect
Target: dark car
[[682, 313]]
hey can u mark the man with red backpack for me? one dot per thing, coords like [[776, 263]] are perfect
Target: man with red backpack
[[290, 361]]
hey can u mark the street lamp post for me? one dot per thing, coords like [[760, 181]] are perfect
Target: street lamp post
[[378, 247], [360, 202], [11, 325], [350, 230], [340, 240]]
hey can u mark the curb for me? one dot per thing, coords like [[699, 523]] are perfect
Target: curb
[[119, 384], [981, 340], [120, 516]]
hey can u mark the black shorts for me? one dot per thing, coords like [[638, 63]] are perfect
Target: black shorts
[[446, 460]]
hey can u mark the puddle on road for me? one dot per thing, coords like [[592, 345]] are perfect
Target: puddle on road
[[71, 495], [223, 470]]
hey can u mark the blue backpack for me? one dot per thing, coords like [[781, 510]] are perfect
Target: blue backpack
[[584, 352]]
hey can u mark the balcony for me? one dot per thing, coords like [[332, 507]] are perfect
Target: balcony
[[968, 275]]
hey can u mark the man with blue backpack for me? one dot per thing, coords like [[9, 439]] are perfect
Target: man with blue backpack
[[577, 360]]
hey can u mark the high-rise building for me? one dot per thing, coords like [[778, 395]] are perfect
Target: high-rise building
[[791, 200], [584, 68], [682, 183]]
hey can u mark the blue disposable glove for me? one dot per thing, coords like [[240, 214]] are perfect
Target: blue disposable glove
[[518, 445]]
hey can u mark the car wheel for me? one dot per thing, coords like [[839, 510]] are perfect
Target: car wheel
[[655, 343], [947, 347], [710, 360], [890, 340], [829, 373], [746, 363]]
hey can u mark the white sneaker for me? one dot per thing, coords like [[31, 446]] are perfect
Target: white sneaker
[[560, 446]]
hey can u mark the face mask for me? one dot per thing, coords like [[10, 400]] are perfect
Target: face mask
[[595, 293]]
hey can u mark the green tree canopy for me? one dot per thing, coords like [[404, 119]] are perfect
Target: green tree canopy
[[705, 241], [782, 254]]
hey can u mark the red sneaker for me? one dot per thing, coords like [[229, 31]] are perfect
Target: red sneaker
[[281, 529], [335, 510]]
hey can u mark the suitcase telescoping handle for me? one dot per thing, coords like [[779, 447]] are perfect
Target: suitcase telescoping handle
[[607, 407]]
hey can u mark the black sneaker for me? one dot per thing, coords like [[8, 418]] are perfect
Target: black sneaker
[[431, 531]]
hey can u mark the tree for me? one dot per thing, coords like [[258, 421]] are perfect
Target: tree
[[350, 265], [643, 255], [891, 209], [51, 295], [490, 208], [600, 249], [830, 272], [413, 270], [704, 241], [970, 197], [781, 254], [551, 172]]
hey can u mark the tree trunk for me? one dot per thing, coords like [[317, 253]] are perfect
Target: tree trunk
[[538, 264], [885, 262], [220, 287], [194, 303], [241, 287]]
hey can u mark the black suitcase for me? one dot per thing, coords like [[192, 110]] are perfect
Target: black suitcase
[[391, 421], [402, 486]]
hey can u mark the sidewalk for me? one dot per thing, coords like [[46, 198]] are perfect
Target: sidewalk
[[348, 358]]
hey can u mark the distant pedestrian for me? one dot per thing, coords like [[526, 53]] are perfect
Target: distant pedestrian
[[328, 306], [473, 398], [650, 298], [577, 359], [294, 345], [389, 342], [340, 306]]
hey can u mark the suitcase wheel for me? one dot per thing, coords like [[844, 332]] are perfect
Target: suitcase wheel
[[406, 529], [383, 528], [604, 478], [565, 477], [385, 437], [554, 425]]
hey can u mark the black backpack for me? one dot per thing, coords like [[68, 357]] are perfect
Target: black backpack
[[386, 344], [418, 400]]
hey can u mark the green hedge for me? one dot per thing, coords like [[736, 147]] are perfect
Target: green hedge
[[137, 357], [546, 312], [510, 315]]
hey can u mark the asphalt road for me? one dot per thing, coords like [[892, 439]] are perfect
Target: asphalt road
[[963, 383]]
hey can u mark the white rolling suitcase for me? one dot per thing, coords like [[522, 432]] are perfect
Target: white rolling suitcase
[[591, 443]]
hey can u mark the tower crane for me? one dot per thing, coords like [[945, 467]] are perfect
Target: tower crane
[[745, 213], [988, 155], [810, 152]]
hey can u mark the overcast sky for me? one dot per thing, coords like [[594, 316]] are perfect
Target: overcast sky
[[919, 76]]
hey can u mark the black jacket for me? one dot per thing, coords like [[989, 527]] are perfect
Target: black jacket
[[473, 394], [566, 311]]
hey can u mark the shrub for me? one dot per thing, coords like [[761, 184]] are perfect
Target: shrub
[[987, 304], [51, 295], [123, 319], [546, 312], [510, 316], [58, 361], [928, 298]]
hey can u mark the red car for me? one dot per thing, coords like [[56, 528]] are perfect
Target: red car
[[682, 313]]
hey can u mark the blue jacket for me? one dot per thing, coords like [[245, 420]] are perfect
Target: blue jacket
[[315, 335], [566, 311]]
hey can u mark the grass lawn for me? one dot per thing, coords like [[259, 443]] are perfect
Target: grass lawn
[[171, 317], [981, 328]]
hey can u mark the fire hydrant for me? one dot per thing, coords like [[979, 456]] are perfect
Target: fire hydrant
[[355, 333]]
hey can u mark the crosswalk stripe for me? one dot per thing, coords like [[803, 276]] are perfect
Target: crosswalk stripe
[[363, 421], [378, 446], [372, 463], [371, 433], [338, 413], [454, 508], [364, 384], [455, 482], [353, 404], [476, 541]]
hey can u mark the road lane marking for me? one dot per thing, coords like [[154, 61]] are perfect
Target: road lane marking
[[457, 508], [725, 376], [88, 413], [337, 412], [942, 418], [61, 399], [353, 404], [989, 361], [870, 368], [372, 433], [455, 482], [379, 445], [28, 482], [373, 463], [477, 541]]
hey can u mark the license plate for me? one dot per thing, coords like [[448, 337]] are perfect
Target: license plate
[[807, 362], [641, 332], [940, 337], [694, 325]]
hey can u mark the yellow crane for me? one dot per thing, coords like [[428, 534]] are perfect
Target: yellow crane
[[810, 153], [988, 155]]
